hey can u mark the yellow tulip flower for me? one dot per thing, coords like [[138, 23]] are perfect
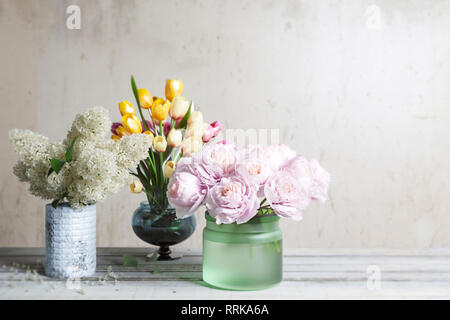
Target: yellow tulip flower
[[114, 137], [122, 131], [174, 138], [191, 145], [136, 187], [160, 109], [126, 108], [168, 169], [131, 123], [149, 133], [178, 107], [160, 144], [195, 116], [196, 129], [145, 98], [173, 88]]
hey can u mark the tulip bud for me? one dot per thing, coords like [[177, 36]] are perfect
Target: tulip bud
[[126, 108], [114, 126], [136, 186], [149, 125], [173, 88], [149, 133], [195, 116], [212, 131], [160, 109], [191, 145], [122, 131], [197, 129], [174, 138], [160, 144], [168, 169], [166, 128], [178, 107], [132, 123], [145, 98], [114, 137]]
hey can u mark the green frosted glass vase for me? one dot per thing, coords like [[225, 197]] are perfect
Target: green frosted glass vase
[[244, 256]]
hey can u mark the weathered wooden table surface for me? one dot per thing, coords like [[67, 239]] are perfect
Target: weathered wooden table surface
[[308, 274]]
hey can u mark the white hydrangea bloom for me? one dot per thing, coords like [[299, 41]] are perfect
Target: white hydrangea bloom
[[99, 168], [131, 147], [91, 125]]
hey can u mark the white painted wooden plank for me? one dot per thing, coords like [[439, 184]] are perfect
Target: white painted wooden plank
[[186, 290], [308, 273]]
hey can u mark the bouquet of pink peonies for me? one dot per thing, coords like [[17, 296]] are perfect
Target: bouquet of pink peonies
[[238, 184]]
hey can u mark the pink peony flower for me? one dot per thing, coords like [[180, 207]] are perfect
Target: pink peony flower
[[277, 155], [254, 168], [215, 162], [232, 200], [321, 180], [185, 192], [289, 190]]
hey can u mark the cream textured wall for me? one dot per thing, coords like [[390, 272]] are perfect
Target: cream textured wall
[[363, 86]]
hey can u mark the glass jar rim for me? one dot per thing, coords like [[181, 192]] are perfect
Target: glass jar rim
[[256, 219]]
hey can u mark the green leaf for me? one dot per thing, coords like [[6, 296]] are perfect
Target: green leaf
[[183, 122], [129, 260], [265, 211], [57, 201], [69, 152], [55, 165], [153, 258]]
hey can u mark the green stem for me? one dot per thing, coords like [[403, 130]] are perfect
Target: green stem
[[136, 95]]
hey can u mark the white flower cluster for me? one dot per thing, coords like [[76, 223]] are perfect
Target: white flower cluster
[[99, 168]]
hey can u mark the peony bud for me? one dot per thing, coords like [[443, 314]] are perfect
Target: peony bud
[[145, 98], [174, 138], [168, 169], [132, 123], [197, 129], [136, 186], [212, 131], [160, 143], [195, 116], [126, 108], [178, 107], [191, 145], [173, 88]]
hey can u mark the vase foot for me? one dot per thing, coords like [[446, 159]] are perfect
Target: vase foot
[[164, 254]]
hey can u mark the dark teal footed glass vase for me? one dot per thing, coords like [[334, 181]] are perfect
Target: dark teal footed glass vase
[[162, 228], [246, 256]]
